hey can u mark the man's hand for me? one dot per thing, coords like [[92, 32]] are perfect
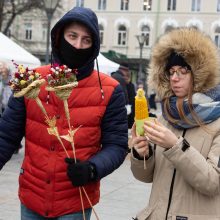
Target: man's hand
[[80, 172]]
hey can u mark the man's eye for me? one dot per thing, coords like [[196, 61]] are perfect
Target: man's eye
[[72, 36], [88, 41]]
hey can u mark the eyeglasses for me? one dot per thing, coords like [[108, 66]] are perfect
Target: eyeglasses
[[180, 72]]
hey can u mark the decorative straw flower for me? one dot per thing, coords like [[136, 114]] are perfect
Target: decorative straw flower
[[26, 82]]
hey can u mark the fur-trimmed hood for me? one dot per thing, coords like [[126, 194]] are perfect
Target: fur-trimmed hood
[[196, 48]]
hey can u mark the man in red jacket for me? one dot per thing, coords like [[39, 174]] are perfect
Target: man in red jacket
[[49, 182]]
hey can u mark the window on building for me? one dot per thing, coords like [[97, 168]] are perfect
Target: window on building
[[218, 5], [194, 26], [169, 28], [217, 37], [171, 5], [102, 5], [122, 35], [147, 5], [28, 31], [124, 5], [145, 30], [196, 5], [101, 34], [80, 3], [44, 31]]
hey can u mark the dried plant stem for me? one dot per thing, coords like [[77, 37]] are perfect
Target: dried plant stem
[[38, 101], [145, 166], [83, 209], [90, 203], [59, 139], [66, 108]]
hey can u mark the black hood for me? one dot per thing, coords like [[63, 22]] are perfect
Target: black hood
[[88, 18]]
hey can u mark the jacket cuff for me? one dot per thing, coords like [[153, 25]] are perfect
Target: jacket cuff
[[138, 157]]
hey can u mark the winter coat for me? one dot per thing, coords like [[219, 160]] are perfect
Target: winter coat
[[196, 186], [186, 184], [101, 139]]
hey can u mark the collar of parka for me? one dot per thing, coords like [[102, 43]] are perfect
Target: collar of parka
[[198, 50]]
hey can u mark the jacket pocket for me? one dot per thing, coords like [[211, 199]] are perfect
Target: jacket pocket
[[194, 217]]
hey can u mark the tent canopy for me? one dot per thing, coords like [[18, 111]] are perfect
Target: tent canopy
[[9, 51], [105, 65]]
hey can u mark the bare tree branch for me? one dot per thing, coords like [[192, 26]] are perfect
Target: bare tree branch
[[10, 9]]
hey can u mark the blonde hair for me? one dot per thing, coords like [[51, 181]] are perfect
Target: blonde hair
[[183, 117]]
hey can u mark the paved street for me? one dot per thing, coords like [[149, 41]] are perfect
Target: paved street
[[121, 195]]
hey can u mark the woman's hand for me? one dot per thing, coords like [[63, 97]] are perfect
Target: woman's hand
[[159, 134], [139, 143]]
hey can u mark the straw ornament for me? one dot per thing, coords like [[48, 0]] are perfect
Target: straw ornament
[[62, 80]]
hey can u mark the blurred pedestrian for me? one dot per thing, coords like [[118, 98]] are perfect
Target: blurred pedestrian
[[152, 100], [49, 182], [117, 75], [182, 148], [130, 91], [5, 90]]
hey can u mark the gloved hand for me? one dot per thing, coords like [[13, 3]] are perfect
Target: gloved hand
[[81, 172]]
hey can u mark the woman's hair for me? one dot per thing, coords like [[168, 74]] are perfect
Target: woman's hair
[[183, 117]]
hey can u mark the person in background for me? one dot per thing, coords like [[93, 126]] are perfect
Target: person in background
[[182, 147], [152, 100], [5, 90], [130, 91], [49, 182], [117, 75]]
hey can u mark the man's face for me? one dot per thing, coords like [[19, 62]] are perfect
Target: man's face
[[126, 75], [78, 36]]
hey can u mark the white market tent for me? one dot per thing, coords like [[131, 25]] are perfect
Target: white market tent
[[105, 65], [9, 51]]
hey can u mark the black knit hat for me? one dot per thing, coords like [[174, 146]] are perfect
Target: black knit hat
[[176, 60]]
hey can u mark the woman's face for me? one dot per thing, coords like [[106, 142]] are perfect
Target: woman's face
[[180, 80]]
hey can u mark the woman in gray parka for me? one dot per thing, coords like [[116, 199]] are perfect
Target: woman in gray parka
[[182, 148]]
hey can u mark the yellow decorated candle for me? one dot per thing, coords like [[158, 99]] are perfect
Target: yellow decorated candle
[[141, 111]]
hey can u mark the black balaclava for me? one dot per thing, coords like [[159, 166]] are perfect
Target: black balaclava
[[73, 57]]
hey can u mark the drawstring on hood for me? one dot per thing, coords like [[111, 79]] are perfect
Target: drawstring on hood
[[100, 84]]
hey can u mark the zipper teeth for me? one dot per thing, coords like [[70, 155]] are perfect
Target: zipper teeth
[[171, 193], [172, 184]]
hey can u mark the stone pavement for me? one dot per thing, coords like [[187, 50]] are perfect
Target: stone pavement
[[121, 195]]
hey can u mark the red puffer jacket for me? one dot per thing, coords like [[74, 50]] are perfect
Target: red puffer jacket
[[44, 185]]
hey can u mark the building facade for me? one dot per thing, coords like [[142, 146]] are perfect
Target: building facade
[[120, 22]]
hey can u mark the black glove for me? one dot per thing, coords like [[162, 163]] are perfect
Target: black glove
[[80, 172]]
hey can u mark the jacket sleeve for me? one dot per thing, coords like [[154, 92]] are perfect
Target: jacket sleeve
[[114, 136], [201, 173], [140, 172], [12, 128]]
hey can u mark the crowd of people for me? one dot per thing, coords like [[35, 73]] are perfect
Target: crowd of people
[[179, 152]]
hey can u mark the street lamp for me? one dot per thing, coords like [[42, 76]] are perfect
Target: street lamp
[[50, 7], [142, 38]]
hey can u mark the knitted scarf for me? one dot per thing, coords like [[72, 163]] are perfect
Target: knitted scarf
[[206, 106]]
